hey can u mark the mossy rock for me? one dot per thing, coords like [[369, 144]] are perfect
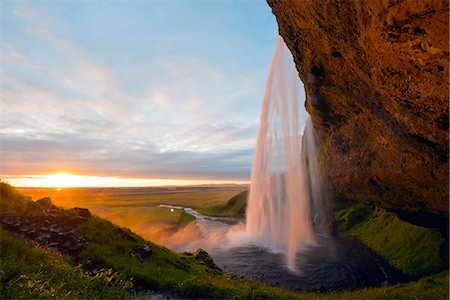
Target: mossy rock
[[203, 256]]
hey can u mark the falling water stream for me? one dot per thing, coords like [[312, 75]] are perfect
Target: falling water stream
[[285, 212], [280, 200]]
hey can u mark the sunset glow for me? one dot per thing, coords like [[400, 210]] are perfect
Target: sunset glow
[[75, 99], [65, 180]]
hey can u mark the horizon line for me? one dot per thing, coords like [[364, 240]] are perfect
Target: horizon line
[[67, 180]]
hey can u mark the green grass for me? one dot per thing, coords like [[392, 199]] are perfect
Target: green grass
[[11, 199], [31, 271], [235, 207], [412, 249], [190, 275], [185, 218], [28, 270], [432, 287]]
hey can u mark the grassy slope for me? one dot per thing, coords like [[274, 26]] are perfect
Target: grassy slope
[[412, 249], [185, 274], [30, 271], [235, 207]]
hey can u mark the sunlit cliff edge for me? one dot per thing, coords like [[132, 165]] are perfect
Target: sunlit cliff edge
[[376, 78]]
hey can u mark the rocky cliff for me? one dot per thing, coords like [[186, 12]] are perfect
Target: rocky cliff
[[376, 78]]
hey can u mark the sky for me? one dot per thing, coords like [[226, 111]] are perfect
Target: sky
[[160, 90]]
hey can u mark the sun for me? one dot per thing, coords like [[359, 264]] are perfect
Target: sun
[[63, 180]]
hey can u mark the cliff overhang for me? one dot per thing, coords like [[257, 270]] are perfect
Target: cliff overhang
[[376, 79]]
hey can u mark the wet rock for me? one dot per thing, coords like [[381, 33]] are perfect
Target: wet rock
[[53, 245]]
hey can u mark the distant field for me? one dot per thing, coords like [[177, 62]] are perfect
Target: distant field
[[137, 208], [194, 197]]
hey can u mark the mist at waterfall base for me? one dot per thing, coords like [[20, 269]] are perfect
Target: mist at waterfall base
[[282, 241]]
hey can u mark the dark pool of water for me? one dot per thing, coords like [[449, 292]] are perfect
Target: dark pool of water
[[334, 264]]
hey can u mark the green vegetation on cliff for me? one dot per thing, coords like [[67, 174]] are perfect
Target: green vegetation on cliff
[[412, 249], [235, 207]]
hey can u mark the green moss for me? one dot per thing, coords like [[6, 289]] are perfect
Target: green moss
[[411, 249], [353, 215], [235, 207], [324, 156]]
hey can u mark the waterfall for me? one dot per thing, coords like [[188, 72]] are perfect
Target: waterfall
[[279, 205]]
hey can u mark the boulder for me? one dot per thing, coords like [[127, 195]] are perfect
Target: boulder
[[34, 211], [83, 212], [45, 202]]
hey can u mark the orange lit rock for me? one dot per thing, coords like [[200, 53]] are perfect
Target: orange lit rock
[[376, 77]]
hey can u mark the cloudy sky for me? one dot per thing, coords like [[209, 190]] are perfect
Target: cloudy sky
[[133, 89]]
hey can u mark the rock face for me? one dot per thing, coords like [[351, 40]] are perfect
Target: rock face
[[376, 79]]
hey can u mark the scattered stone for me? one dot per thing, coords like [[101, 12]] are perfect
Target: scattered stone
[[53, 227], [180, 265], [143, 252], [53, 245]]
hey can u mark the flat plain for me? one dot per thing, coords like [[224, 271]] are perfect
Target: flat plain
[[138, 208]]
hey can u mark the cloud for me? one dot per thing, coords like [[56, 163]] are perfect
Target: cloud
[[37, 156], [66, 106]]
